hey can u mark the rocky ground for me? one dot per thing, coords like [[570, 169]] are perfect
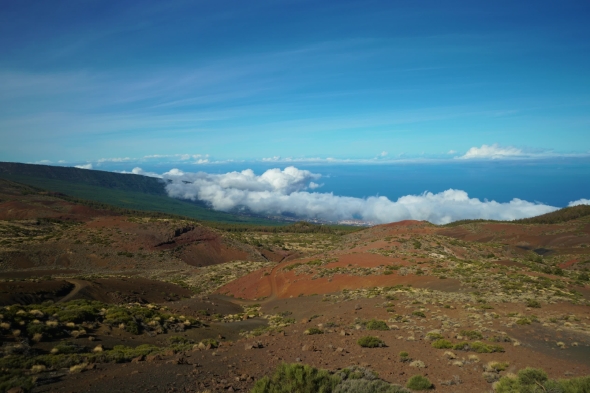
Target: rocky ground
[[174, 305]]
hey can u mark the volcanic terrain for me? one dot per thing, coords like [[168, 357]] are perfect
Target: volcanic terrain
[[97, 299]]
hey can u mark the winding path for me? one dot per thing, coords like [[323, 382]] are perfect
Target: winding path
[[78, 286]]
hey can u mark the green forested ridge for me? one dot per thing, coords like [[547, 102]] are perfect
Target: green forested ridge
[[112, 180], [561, 215], [109, 191], [556, 217]]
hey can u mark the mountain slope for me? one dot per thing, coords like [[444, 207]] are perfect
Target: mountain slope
[[126, 191]]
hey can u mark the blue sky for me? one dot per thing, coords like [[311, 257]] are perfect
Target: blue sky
[[82, 81]]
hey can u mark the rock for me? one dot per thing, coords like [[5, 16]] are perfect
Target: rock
[[138, 359], [254, 345], [98, 348], [308, 347], [358, 307], [15, 390], [343, 333], [179, 360], [339, 349], [305, 320], [152, 358]]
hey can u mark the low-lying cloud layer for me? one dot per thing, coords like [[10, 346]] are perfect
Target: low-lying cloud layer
[[492, 152], [289, 191]]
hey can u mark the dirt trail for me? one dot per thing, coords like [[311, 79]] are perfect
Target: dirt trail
[[78, 286]]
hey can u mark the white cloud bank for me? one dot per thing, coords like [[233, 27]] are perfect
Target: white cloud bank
[[579, 202], [492, 151], [287, 192], [85, 166]]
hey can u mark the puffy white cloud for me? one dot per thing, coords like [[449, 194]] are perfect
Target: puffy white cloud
[[579, 202], [284, 191], [85, 166], [383, 154], [492, 151]]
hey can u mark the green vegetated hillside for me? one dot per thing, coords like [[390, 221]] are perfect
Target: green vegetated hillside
[[120, 190], [111, 180], [556, 217], [561, 215]]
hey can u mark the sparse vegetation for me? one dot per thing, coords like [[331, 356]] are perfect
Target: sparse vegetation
[[536, 380], [419, 382], [370, 342]]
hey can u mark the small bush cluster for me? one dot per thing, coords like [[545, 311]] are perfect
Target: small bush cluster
[[370, 342], [419, 382], [313, 330], [374, 324], [532, 380], [442, 344], [478, 346], [49, 321], [471, 334], [306, 379]]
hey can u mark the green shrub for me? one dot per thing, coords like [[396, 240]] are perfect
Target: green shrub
[[462, 346], [374, 324], [214, 343], [442, 344], [480, 347], [13, 379], [434, 336], [67, 347], [419, 314], [296, 378], [370, 342], [471, 334], [368, 386], [314, 330], [418, 382], [533, 303]]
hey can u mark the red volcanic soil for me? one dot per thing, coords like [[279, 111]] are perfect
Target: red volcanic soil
[[281, 283], [231, 365], [561, 238]]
